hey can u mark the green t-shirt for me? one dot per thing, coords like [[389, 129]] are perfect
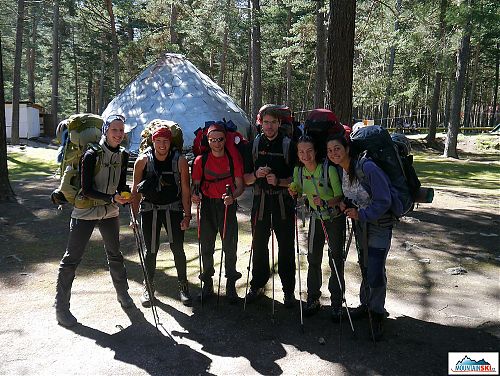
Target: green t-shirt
[[312, 180]]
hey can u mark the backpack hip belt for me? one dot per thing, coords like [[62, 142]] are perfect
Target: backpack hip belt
[[270, 192], [147, 206]]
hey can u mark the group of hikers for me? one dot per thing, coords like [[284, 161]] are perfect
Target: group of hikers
[[281, 170]]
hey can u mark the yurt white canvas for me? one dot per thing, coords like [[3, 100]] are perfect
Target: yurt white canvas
[[174, 89]]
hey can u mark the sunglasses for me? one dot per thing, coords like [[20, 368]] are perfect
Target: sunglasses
[[212, 140]]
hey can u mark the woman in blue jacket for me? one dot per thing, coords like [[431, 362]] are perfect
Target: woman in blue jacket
[[369, 198]]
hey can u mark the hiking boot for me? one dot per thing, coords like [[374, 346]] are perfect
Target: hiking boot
[[336, 314], [207, 291], [254, 294], [231, 294], [312, 306], [145, 298], [359, 312], [378, 325], [65, 318], [289, 300], [184, 293], [125, 300]]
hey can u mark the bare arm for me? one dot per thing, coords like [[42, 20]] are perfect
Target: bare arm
[[139, 166], [185, 192]]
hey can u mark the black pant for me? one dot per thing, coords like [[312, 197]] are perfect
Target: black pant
[[316, 240], [284, 230], [211, 223], [79, 235], [177, 245]]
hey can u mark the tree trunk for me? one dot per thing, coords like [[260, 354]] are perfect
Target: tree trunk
[[16, 82], [174, 36], [6, 192], [100, 99], [244, 83], [114, 46], [450, 147], [493, 119], [431, 136], [75, 72], [50, 127], [471, 94], [223, 58], [256, 61], [319, 89], [31, 52], [89, 94], [288, 73], [390, 69], [340, 57]]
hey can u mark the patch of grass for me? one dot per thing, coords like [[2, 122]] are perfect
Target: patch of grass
[[24, 166], [488, 142], [438, 171]]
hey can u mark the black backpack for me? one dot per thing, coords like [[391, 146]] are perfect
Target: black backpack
[[392, 155]]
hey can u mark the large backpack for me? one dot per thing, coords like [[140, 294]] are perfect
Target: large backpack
[[147, 133], [320, 124], [235, 142], [153, 180], [288, 125], [83, 132], [393, 156], [234, 146]]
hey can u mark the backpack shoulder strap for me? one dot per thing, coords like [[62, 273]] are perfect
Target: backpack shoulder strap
[[286, 149], [301, 176], [255, 148], [204, 158], [175, 169], [231, 164], [150, 164], [325, 173]]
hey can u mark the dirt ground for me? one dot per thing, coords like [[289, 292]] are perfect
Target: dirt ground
[[432, 312]]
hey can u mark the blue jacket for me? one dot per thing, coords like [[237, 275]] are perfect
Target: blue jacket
[[384, 196]]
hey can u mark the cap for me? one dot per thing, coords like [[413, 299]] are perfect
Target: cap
[[162, 132]]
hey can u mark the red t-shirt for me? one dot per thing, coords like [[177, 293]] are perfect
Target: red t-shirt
[[215, 168]]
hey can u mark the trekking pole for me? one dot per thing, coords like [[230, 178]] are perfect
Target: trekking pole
[[298, 262], [330, 253], [250, 259], [272, 260], [228, 193], [197, 192], [139, 240]]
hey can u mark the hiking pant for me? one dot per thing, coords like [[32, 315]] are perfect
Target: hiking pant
[[284, 229], [335, 229], [373, 244], [177, 245], [80, 231], [211, 223]]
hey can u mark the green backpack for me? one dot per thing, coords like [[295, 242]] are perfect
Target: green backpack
[[84, 131], [147, 133]]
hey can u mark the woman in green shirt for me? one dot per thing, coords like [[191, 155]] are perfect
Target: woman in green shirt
[[322, 187]]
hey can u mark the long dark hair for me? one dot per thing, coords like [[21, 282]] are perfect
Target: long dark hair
[[310, 140], [353, 154]]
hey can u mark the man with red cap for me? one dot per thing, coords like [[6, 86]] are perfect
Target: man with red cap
[[161, 195], [212, 171]]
